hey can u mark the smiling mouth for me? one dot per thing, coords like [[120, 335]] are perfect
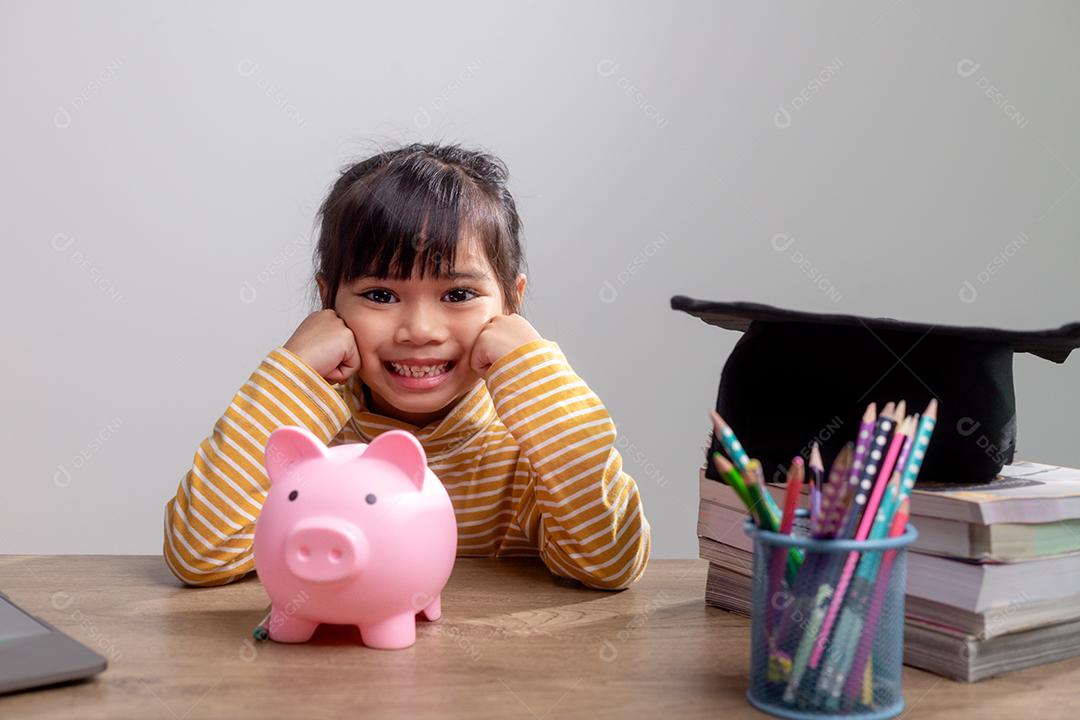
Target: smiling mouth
[[417, 371]]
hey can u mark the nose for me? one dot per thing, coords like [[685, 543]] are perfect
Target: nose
[[422, 325], [325, 549]]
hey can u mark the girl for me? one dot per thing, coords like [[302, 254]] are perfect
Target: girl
[[419, 279]]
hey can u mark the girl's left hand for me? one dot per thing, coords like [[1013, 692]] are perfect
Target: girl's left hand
[[501, 334]]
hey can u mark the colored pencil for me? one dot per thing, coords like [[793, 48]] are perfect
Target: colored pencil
[[833, 508], [795, 556], [891, 500], [738, 456], [862, 442], [839, 596], [844, 655], [896, 527], [817, 473], [735, 480], [821, 525], [262, 630], [779, 555], [866, 641], [791, 494], [757, 480], [731, 444], [863, 487], [847, 629]]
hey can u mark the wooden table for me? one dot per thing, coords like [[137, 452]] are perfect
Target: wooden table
[[512, 643]]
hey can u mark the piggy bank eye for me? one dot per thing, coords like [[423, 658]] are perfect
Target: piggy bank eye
[[292, 495], [370, 499]]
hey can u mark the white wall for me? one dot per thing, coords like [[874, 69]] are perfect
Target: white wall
[[160, 161]]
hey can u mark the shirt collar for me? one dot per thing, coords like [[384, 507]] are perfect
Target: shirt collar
[[472, 414]]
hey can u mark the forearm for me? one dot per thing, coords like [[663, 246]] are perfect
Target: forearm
[[589, 515], [210, 522]]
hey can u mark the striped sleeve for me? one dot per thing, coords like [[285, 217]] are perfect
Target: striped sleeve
[[210, 523], [592, 526]]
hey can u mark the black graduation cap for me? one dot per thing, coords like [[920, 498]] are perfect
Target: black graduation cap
[[795, 377]]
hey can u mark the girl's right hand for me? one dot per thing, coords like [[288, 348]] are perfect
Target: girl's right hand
[[326, 343]]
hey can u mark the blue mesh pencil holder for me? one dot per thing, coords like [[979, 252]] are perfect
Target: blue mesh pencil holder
[[822, 646]]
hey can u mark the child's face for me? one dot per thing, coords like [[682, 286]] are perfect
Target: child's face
[[436, 319]]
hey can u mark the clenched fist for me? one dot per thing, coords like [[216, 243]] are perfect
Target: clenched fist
[[326, 343], [501, 334]]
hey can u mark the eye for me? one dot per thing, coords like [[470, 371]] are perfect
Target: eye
[[370, 499], [381, 293], [463, 290], [293, 495]]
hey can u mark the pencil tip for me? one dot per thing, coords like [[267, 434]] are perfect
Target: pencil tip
[[722, 463], [718, 421]]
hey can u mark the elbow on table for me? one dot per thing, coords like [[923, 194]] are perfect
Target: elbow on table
[[207, 578], [200, 568], [620, 578], [623, 582]]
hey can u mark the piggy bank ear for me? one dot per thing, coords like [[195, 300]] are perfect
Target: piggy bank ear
[[288, 446], [401, 449]]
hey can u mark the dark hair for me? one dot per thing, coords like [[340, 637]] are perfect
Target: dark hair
[[413, 203]]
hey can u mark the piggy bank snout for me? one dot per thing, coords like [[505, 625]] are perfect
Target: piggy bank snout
[[325, 549]]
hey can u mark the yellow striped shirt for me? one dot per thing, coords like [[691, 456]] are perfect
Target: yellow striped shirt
[[527, 456]]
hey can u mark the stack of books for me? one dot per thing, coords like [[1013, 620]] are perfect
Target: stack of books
[[993, 580]]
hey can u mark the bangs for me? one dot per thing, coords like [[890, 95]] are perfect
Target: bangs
[[405, 213], [408, 215]]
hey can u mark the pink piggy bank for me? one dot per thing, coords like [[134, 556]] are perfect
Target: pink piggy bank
[[357, 534]]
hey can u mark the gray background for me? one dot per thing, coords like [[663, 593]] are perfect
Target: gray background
[[162, 167]]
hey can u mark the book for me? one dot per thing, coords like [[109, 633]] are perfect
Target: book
[[981, 587], [950, 652], [981, 599], [998, 542], [1023, 492], [1001, 620], [728, 590], [967, 658], [1053, 584]]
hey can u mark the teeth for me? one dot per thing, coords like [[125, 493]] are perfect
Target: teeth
[[419, 370]]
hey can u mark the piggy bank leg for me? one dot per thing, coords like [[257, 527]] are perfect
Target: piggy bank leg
[[393, 633], [290, 628], [434, 609]]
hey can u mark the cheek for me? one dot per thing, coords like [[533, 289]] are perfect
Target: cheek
[[468, 329], [470, 324], [369, 329]]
